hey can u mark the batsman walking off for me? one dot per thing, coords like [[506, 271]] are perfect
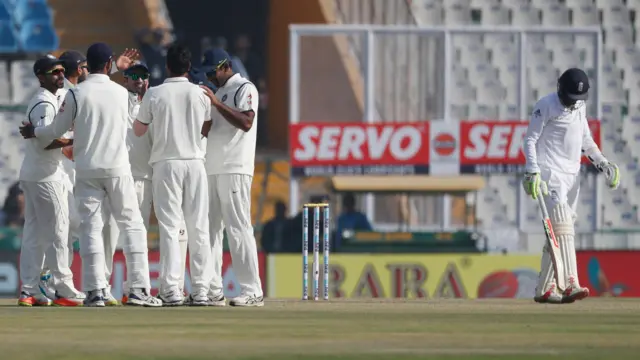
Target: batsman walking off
[[231, 150], [557, 136]]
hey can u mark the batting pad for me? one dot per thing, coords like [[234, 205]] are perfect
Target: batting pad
[[562, 220], [546, 277]]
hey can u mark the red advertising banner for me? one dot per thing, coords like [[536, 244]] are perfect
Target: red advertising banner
[[325, 149], [119, 273], [609, 273], [497, 146], [430, 147]]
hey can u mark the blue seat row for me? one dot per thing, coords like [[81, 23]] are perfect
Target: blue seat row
[[33, 36], [20, 11]]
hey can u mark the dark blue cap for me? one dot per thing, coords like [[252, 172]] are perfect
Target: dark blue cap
[[137, 65], [98, 54], [199, 78], [214, 58], [72, 59], [45, 64]]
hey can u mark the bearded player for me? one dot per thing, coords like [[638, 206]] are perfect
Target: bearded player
[[557, 136]]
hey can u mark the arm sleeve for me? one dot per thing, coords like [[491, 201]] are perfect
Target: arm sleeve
[[144, 114], [534, 131], [246, 99], [589, 146], [207, 105], [42, 115], [63, 120]]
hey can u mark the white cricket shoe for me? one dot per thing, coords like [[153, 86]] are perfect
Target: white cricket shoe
[[109, 300], [574, 291], [247, 301], [176, 299], [46, 284], [30, 300], [95, 298], [139, 297], [69, 297], [197, 300], [216, 300]]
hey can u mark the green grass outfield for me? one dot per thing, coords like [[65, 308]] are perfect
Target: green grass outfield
[[603, 328]]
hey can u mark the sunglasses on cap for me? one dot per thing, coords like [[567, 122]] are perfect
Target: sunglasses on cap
[[135, 77]]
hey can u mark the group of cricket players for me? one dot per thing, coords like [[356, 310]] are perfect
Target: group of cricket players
[[99, 155]]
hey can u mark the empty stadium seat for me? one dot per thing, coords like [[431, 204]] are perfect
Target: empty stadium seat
[[36, 36], [525, 16], [585, 15], [495, 15], [8, 40], [555, 15], [5, 15]]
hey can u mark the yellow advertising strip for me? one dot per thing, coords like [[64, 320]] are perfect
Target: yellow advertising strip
[[410, 276]]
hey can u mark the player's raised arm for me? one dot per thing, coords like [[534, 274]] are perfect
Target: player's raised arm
[[532, 181], [592, 152]]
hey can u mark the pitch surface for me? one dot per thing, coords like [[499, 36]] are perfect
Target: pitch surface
[[343, 329]]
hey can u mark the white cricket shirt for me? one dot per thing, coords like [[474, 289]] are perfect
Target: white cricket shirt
[[67, 165], [231, 150], [556, 136], [139, 148], [177, 109], [41, 165], [97, 109]]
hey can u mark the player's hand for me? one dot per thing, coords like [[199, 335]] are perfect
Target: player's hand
[[209, 93], [611, 174], [27, 130], [126, 59], [533, 185], [67, 151]]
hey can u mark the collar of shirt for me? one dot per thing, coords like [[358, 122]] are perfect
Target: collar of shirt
[[98, 78], [176, 79], [68, 84], [47, 94], [231, 80]]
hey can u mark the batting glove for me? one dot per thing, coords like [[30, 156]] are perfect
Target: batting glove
[[533, 185], [611, 174]]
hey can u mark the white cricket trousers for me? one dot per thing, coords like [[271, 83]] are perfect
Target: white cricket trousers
[[230, 209], [120, 195], [561, 202], [46, 230], [180, 188], [112, 235], [74, 219]]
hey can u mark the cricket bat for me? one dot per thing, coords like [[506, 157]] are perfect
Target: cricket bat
[[553, 246]]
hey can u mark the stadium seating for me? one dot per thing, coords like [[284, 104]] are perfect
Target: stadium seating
[[8, 38], [491, 63], [38, 36], [28, 10]]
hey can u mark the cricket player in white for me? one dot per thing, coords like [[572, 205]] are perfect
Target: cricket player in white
[[75, 65], [556, 138], [97, 109], [46, 225], [176, 111], [231, 149]]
